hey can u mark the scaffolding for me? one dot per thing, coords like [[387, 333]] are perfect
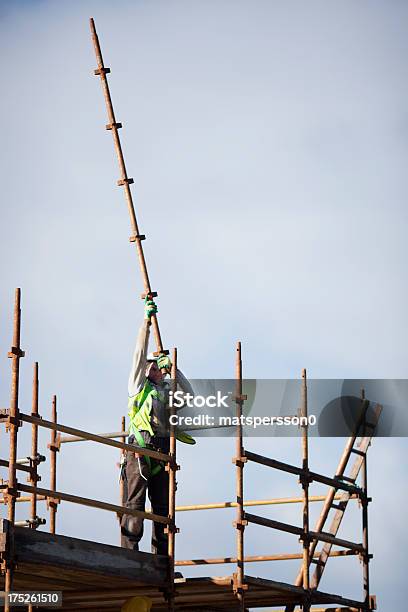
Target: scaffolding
[[238, 591], [101, 577]]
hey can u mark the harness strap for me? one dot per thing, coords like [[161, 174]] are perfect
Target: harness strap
[[140, 441]]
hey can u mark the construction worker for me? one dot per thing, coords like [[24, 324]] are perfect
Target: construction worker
[[149, 427], [137, 604]]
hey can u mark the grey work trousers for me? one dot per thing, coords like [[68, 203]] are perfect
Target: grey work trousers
[[138, 481]]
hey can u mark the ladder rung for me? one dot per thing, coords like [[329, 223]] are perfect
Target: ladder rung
[[339, 506], [358, 452], [316, 561], [348, 479]]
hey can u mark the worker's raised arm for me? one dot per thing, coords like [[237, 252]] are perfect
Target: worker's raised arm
[[137, 374]]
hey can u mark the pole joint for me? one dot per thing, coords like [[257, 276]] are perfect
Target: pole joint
[[52, 503], [13, 421], [240, 398], [15, 351], [101, 71], [172, 466], [305, 478], [171, 529], [237, 585], [240, 524]]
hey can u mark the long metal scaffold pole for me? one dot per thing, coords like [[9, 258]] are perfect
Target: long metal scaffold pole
[[13, 423], [34, 449], [34, 478], [53, 448], [172, 470], [239, 585], [124, 180], [330, 498], [366, 554], [305, 487]]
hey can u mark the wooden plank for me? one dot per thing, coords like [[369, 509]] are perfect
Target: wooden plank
[[77, 556]]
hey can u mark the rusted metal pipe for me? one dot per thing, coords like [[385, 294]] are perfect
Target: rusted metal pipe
[[256, 502], [53, 448], [92, 503], [13, 423], [239, 476], [112, 434], [34, 520], [124, 181], [34, 448], [25, 499], [305, 487], [121, 480], [365, 555], [331, 494], [19, 467], [260, 558], [172, 470], [337, 519], [93, 437]]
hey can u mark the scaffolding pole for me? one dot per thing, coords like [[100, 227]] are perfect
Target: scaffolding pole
[[330, 498], [239, 585], [122, 491], [365, 556], [172, 471], [13, 424], [34, 478], [305, 481], [53, 448], [125, 181]]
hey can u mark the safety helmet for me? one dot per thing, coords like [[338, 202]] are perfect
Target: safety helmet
[[137, 604]]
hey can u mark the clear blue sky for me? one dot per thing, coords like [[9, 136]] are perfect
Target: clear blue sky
[[268, 143]]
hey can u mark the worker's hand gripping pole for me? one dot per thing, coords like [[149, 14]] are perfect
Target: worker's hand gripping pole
[[125, 182]]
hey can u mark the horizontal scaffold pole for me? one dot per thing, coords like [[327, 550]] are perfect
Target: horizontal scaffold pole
[[94, 437], [92, 503]]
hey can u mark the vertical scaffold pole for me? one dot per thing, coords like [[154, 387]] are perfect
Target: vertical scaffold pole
[[34, 448], [53, 448], [240, 522], [172, 470], [364, 506], [124, 180], [122, 453], [305, 481], [33, 459], [13, 423]]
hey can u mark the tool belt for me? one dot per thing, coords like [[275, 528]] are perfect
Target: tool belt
[[145, 440]]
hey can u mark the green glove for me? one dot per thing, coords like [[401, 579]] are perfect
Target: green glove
[[164, 362], [150, 307]]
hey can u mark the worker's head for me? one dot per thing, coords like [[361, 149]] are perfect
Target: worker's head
[[153, 372], [137, 604]]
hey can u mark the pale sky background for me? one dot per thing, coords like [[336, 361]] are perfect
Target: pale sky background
[[268, 142]]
